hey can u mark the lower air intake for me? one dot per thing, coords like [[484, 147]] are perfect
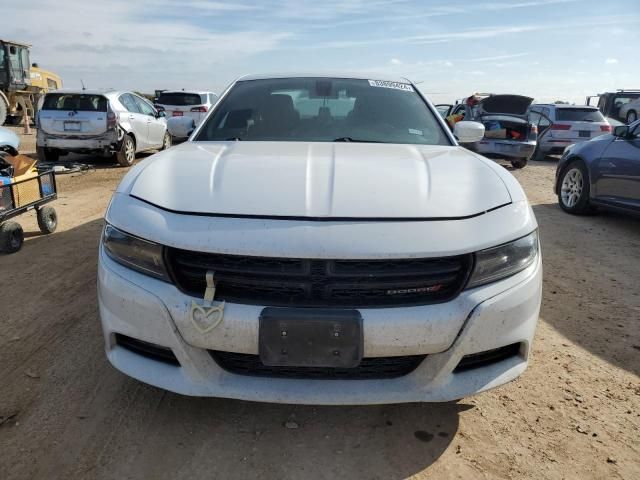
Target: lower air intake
[[369, 369], [146, 349], [488, 357]]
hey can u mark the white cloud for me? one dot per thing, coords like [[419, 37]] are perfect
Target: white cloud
[[395, 61], [499, 57], [122, 45], [611, 61]]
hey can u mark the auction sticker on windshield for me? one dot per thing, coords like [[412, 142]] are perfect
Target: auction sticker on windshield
[[396, 85]]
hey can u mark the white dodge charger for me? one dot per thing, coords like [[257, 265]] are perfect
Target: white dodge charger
[[321, 240]]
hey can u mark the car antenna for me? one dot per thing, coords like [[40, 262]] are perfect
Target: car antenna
[[83, 87]]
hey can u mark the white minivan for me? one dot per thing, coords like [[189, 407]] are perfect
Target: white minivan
[[321, 240]]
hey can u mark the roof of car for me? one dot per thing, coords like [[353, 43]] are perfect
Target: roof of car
[[358, 76], [197, 92], [21, 44], [564, 105], [80, 91]]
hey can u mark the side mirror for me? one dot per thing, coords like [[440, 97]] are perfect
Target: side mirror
[[181, 127], [9, 141], [468, 132], [621, 131], [161, 114]]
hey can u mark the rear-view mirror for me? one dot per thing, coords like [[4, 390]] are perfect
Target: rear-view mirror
[[468, 132], [161, 114], [181, 127]]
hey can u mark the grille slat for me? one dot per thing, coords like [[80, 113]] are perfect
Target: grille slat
[[369, 369], [326, 283]]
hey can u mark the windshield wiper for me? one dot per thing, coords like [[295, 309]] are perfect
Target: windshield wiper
[[355, 140], [233, 139]]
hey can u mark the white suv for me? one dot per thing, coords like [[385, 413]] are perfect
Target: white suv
[[321, 240], [190, 104], [561, 125], [105, 122]]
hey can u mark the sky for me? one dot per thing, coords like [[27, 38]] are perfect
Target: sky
[[547, 49]]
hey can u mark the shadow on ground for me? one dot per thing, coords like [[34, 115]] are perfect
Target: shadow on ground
[[222, 438], [86, 420], [591, 278]]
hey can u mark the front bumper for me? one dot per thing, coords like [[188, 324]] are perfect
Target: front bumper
[[478, 320]]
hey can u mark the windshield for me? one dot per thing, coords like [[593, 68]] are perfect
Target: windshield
[[324, 110], [75, 101], [579, 115], [180, 99]]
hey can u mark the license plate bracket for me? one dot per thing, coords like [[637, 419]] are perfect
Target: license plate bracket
[[71, 126], [584, 133], [506, 147], [305, 337]]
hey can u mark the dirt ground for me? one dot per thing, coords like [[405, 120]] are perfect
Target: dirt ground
[[66, 413]]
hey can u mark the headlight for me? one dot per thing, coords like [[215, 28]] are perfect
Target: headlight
[[133, 252], [500, 262]]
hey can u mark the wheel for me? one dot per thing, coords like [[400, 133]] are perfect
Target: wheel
[[519, 162], [127, 153], [47, 219], [573, 196], [4, 108], [11, 237], [632, 116], [47, 154], [166, 142], [13, 120]]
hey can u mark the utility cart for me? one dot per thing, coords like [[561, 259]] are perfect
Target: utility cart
[[21, 193]]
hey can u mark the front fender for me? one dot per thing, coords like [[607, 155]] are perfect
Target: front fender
[[588, 152], [9, 141]]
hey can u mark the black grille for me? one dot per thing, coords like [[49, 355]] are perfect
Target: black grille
[[146, 349], [369, 368], [323, 283]]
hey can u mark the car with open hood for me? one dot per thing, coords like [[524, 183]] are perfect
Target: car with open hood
[[320, 239], [508, 131]]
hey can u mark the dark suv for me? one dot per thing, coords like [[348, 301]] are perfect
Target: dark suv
[[613, 104]]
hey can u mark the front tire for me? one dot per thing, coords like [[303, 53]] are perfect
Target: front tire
[[166, 142], [127, 153], [519, 163], [573, 194], [11, 237], [47, 219], [632, 116], [47, 154]]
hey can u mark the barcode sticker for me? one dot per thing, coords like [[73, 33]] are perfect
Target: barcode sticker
[[395, 85]]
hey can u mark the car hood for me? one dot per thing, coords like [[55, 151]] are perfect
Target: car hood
[[319, 180], [505, 104]]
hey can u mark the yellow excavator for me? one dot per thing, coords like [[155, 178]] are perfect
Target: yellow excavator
[[21, 83]]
